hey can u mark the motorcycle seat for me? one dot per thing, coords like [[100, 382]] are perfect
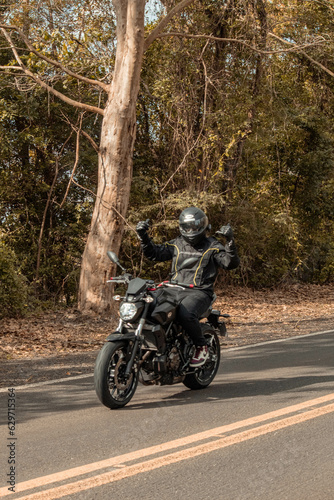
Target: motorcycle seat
[[210, 311]]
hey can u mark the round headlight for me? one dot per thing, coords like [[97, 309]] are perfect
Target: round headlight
[[127, 311]]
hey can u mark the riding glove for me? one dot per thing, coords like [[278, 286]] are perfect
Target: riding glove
[[142, 228], [227, 232]]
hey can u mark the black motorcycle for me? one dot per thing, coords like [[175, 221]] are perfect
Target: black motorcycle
[[149, 345]]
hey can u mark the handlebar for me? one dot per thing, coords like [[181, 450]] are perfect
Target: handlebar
[[120, 279], [176, 285], [127, 278]]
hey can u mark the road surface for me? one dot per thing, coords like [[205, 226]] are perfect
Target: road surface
[[263, 430]]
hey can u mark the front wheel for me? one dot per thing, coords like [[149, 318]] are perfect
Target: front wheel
[[205, 374], [113, 389]]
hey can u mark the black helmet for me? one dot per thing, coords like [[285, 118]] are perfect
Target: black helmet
[[193, 224]]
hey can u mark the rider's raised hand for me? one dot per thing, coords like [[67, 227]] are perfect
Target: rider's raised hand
[[227, 232], [142, 228]]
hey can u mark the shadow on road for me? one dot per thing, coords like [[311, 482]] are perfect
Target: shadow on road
[[33, 405], [264, 370], [304, 352], [247, 388]]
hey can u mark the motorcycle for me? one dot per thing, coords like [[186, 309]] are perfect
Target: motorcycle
[[149, 346]]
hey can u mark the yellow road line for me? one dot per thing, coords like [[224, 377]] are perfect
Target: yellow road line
[[163, 447], [172, 458]]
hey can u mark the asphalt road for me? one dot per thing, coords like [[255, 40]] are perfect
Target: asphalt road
[[264, 430]]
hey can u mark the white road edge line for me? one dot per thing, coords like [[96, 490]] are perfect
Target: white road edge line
[[278, 340], [47, 382], [78, 377]]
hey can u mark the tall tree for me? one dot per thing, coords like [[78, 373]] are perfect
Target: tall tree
[[54, 55], [118, 127]]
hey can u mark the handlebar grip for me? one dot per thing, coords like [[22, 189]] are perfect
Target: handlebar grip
[[184, 285], [116, 279]]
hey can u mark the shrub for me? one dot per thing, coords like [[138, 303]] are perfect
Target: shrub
[[13, 286]]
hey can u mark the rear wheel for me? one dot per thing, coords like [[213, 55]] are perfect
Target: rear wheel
[[205, 374], [113, 389]]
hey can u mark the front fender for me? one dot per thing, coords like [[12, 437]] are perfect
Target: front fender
[[113, 337]]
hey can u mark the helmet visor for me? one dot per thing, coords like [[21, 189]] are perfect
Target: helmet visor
[[192, 226]]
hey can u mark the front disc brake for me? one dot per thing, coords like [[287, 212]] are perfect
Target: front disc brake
[[119, 376]]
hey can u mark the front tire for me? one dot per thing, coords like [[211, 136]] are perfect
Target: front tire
[[205, 374], [111, 386]]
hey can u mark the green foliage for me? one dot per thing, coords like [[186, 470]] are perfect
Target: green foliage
[[268, 239], [246, 136], [13, 285], [37, 157], [252, 132]]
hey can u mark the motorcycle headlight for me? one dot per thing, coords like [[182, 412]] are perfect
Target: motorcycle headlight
[[128, 311]]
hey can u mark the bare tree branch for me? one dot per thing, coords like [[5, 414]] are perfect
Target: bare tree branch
[[85, 134], [77, 152], [295, 48], [106, 205], [163, 23], [91, 140], [39, 245], [202, 127], [317, 63], [323, 3], [48, 201], [55, 63], [44, 85], [11, 67], [329, 72]]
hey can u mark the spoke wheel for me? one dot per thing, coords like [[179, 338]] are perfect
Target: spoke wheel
[[205, 374], [113, 389]]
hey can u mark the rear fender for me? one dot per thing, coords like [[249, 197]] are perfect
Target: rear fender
[[213, 320]]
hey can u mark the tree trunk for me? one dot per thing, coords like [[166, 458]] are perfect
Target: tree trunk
[[115, 159]]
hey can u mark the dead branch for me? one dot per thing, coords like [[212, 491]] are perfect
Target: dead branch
[[91, 140], [39, 246], [295, 48], [163, 23], [45, 86], [85, 134], [105, 204], [324, 3], [11, 67], [202, 127], [77, 152], [329, 72]]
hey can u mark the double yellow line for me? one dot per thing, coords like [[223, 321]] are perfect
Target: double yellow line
[[154, 457]]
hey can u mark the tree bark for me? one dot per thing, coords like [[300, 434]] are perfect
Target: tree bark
[[115, 159]]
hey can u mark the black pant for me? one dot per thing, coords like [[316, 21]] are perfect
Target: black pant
[[193, 304]]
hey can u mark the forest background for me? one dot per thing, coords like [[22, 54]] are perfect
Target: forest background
[[234, 114]]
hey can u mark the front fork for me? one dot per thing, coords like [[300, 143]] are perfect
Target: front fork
[[137, 341]]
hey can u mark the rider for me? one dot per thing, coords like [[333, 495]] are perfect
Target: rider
[[209, 254]]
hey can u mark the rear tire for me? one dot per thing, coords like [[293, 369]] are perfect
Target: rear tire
[[205, 374], [112, 389]]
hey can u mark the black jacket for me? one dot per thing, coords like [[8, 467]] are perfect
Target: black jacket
[[210, 252]]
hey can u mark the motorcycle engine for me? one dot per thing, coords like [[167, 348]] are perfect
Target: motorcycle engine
[[173, 360], [167, 363]]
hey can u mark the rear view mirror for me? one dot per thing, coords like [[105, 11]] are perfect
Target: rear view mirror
[[113, 257]]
